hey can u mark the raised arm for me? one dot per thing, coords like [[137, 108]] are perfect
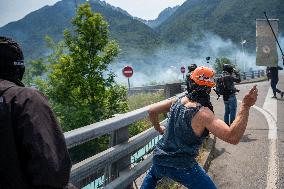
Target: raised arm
[[233, 134], [158, 108]]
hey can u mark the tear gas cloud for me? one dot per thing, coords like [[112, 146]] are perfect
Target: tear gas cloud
[[164, 66]]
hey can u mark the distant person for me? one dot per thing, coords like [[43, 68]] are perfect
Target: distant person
[[190, 121], [191, 68], [33, 150], [226, 88], [268, 74], [274, 80]]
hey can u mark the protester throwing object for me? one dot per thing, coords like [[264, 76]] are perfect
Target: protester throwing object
[[190, 121]]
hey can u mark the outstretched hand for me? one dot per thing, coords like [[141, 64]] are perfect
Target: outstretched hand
[[162, 129], [251, 97]]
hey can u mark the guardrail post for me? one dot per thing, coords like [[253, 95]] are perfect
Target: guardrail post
[[252, 74], [172, 89], [123, 164], [262, 73], [245, 77]]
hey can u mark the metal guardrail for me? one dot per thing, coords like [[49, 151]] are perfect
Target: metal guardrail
[[154, 88], [252, 74], [93, 167], [81, 171], [87, 133], [249, 75]]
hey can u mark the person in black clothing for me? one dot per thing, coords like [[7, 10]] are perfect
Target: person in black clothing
[[33, 149], [268, 75], [230, 76], [191, 68], [273, 72]]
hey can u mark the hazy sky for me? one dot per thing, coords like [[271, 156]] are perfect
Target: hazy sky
[[12, 10]]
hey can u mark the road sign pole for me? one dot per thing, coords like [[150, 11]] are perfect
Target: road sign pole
[[128, 83], [127, 71], [182, 70]]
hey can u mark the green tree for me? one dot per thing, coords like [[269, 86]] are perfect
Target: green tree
[[81, 87], [219, 62], [79, 84], [35, 69]]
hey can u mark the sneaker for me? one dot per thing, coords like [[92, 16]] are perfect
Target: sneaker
[[282, 94]]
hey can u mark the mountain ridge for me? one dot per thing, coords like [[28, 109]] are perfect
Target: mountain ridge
[[182, 25], [234, 19], [30, 31], [163, 16]]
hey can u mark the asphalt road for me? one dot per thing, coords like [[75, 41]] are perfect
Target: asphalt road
[[258, 160]]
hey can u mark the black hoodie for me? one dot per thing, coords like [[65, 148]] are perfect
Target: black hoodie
[[40, 155]]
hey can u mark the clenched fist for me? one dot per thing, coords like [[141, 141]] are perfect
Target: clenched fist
[[251, 97]]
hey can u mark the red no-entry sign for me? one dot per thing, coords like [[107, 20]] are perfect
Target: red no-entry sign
[[127, 71], [182, 69]]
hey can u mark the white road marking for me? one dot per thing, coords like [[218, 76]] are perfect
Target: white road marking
[[272, 172], [270, 105], [269, 111]]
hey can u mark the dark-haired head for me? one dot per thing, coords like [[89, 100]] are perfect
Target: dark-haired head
[[192, 67], [12, 66]]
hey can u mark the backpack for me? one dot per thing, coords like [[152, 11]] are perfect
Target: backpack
[[220, 86]]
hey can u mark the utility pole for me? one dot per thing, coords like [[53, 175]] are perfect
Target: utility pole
[[76, 4], [243, 59]]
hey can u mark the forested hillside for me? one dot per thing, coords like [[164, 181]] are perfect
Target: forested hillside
[[182, 25], [230, 19], [133, 36]]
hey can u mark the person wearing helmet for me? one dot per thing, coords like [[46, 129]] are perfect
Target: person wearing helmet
[[190, 121], [229, 78], [191, 68], [33, 149]]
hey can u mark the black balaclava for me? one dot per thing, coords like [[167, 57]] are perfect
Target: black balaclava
[[200, 94], [192, 67], [228, 68], [12, 66]]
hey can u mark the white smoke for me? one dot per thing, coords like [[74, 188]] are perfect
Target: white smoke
[[167, 61]]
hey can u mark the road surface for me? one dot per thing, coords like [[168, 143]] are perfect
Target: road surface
[[258, 160]]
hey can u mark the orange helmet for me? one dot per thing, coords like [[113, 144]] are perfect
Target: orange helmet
[[203, 76]]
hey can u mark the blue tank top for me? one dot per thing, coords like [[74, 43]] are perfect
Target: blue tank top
[[179, 145]]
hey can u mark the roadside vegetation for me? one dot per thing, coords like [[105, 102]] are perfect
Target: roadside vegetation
[[78, 84], [141, 100], [80, 87]]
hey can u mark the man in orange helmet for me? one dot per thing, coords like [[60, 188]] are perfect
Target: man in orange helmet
[[190, 121]]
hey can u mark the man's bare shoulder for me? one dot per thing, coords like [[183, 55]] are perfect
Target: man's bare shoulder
[[205, 114]]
